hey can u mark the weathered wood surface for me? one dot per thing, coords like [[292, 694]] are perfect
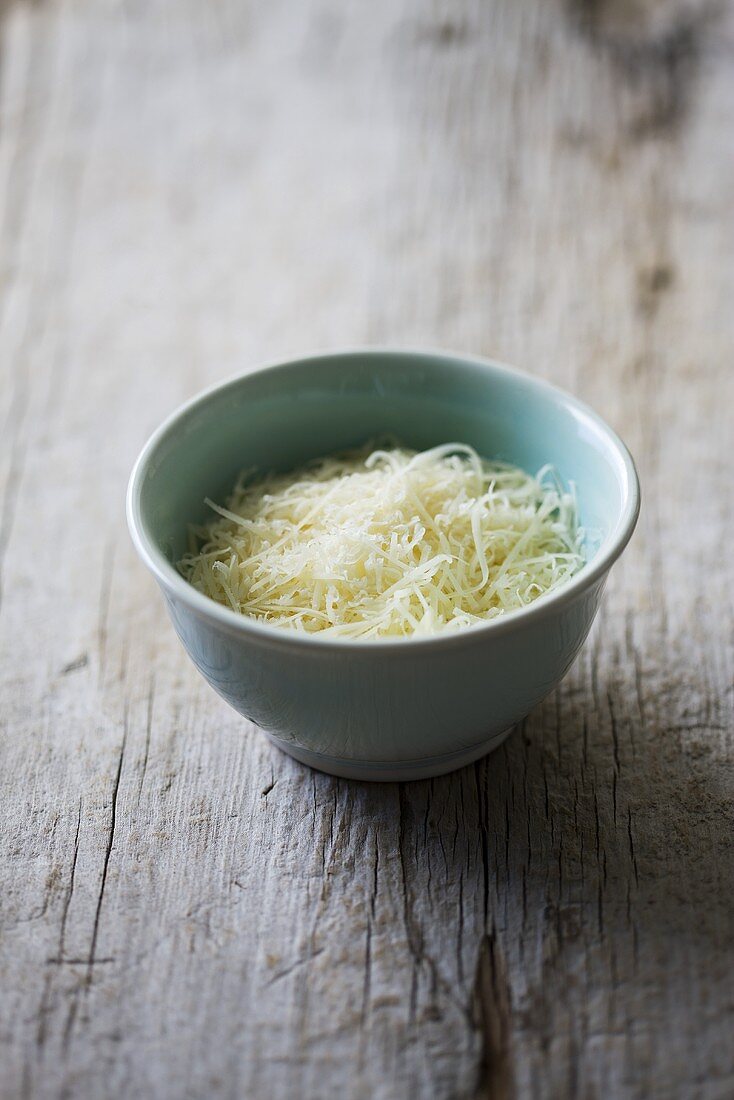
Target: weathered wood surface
[[187, 189]]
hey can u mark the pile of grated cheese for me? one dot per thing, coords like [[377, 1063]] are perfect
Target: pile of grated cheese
[[387, 543]]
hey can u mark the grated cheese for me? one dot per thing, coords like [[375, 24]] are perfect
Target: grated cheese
[[387, 543]]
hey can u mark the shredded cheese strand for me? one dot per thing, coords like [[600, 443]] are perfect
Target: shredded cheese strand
[[388, 543]]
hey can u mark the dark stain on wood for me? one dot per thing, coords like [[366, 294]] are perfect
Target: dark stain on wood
[[653, 282], [491, 1016], [444, 34], [656, 62]]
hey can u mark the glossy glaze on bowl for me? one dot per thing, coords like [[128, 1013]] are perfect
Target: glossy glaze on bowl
[[388, 709]]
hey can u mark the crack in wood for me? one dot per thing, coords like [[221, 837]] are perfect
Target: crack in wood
[[108, 849], [45, 1005], [480, 779], [75, 665], [413, 934], [80, 962], [148, 730]]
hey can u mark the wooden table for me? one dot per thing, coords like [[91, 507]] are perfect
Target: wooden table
[[190, 189]]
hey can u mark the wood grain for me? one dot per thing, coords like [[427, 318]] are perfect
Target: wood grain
[[186, 190]]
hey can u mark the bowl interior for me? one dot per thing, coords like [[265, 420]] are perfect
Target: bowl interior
[[279, 418]]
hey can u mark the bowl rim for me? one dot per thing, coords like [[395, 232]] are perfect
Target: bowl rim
[[171, 580]]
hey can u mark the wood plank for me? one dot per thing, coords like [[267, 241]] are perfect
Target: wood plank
[[186, 190]]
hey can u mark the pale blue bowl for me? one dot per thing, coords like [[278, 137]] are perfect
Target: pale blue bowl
[[399, 709]]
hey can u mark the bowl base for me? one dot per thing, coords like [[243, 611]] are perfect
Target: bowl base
[[390, 771]]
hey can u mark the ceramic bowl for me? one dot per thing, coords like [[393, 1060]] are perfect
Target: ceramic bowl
[[398, 709]]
